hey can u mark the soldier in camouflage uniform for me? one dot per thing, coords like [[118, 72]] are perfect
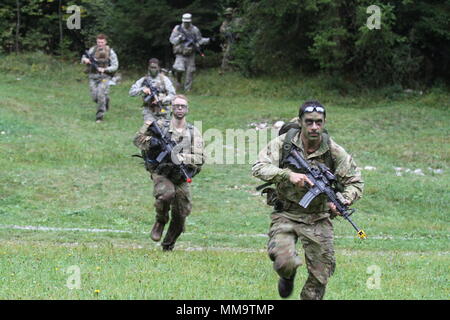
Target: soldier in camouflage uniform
[[166, 92], [229, 34], [99, 79], [289, 221], [185, 51], [171, 191]]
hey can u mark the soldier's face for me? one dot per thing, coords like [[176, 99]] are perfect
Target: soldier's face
[[186, 25], [153, 69], [179, 108], [312, 125], [101, 43]]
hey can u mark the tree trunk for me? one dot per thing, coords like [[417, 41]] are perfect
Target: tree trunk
[[18, 25], [60, 27]]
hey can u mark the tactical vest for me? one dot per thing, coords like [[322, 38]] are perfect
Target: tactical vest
[[165, 112], [181, 48], [102, 56], [272, 198], [168, 169]]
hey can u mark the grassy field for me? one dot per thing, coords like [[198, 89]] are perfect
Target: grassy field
[[72, 195]]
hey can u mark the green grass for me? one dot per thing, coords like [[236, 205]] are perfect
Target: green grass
[[60, 169]]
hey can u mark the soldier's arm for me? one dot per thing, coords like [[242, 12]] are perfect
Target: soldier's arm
[[90, 51], [141, 139], [348, 174], [136, 88], [170, 90], [267, 167], [223, 27], [198, 36], [175, 37], [114, 62]]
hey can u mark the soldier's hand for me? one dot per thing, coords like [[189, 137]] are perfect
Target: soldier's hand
[[299, 179], [86, 61], [146, 90], [145, 126], [101, 70], [333, 207]]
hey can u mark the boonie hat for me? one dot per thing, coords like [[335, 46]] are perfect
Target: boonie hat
[[187, 17], [228, 11]]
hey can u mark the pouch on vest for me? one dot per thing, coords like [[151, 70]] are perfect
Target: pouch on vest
[[272, 199]]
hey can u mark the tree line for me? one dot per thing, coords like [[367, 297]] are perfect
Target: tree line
[[409, 47]]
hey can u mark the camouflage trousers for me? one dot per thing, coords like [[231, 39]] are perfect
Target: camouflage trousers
[[175, 198], [99, 87], [317, 242], [184, 65], [226, 58]]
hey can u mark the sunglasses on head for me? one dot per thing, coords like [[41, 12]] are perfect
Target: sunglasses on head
[[314, 108]]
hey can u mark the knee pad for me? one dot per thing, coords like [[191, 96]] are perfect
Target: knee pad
[[166, 196], [286, 266]]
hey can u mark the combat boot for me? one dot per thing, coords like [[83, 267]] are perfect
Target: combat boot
[[286, 286], [168, 247], [157, 231]]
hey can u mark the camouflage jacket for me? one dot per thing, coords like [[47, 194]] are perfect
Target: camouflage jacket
[[331, 154], [177, 40], [163, 83], [230, 30], [189, 146], [113, 63]]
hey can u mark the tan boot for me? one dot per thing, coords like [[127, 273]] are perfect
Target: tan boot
[[157, 231]]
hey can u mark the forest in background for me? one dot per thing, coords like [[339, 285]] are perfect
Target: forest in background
[[410, 48]]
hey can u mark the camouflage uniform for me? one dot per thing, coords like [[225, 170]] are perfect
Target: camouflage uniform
[[167, 93], [99, 82], [311, 225], [170, 189], [185, 56], [228, 31]]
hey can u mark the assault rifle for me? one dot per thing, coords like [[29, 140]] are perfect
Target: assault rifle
[[153, 93], [323, 181], [167, 147], [92, 59], [189, 40]]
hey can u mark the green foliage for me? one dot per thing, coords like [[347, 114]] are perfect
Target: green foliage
[[292, 36], [277, 37]]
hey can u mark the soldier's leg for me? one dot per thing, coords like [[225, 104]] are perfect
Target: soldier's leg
[[181, 208], [102, 98], [164, 193], [190, 70], [179, 69], [281, 249], [317, 241], [281, 246], [148, 115], [226, 58], [93, 88]]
